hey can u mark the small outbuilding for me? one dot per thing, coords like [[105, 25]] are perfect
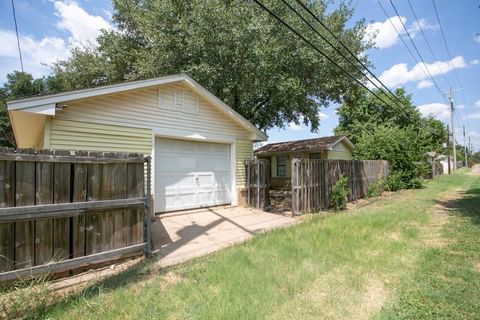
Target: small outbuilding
[[281, 154], [197, 142]]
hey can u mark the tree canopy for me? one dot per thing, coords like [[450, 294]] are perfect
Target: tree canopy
[[233, 48], [401, 136]]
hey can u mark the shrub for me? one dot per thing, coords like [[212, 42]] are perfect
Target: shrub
[[339, 194], [416, 183], [395, 181], [375, 188]]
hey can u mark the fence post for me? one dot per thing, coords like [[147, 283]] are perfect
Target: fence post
[[249, 202], [148, 249], [258, 183]]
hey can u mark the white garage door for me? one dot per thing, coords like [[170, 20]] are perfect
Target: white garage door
[[190, 174]]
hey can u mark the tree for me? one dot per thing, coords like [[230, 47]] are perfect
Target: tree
[[362, 112], [233, 48], [400, 135], [403, 148], [19, 85]]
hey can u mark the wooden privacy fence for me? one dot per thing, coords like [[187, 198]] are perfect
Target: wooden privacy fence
[[61, 211], [258, 182], [313, 180]]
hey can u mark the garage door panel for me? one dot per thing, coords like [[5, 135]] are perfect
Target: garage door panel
[[190, 174]]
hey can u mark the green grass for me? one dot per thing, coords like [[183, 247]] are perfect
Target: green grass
[[385, 260]]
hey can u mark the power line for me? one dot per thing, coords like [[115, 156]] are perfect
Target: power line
[[416, 49], [428, 43], [16, 32], [285, 24], [445, 42], [401, 38], [345, 47], [451, 63]]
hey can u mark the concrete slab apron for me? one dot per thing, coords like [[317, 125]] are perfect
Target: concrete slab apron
[[181, 236]]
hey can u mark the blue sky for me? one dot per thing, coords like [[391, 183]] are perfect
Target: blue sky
[[48, 29]]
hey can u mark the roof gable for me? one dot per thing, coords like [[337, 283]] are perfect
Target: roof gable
[[46, 105]]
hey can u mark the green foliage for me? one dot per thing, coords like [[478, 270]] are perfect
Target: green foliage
[[340, 193], [233, 48], [381, 132], [19, 85], [375, 188], [395, 181]]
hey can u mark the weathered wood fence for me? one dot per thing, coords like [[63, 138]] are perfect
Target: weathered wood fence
[[60, 211], [313, 180], [258, 181]]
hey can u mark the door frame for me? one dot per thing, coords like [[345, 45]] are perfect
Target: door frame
[[197, 137]]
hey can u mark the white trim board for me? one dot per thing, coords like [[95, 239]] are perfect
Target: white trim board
[[32, 104]]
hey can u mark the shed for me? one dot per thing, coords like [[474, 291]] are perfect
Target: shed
[[197, 142], [280, 154]]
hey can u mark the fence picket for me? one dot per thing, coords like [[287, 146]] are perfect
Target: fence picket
[[313, 180], [44, 228], [7, 199]]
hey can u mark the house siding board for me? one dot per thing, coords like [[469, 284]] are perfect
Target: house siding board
[[76, 135], [340, 152], [244, 151], [140, 109]]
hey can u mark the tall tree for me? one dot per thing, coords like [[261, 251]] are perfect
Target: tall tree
[[233, 48], [400, 135], [362, 113]]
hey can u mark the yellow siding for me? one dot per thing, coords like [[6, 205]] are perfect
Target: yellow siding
[[289, 163], [143, 108], [76, 135], [244, 150], [340, 152]]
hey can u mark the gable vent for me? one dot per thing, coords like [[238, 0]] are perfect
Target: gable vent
[[179, 100]]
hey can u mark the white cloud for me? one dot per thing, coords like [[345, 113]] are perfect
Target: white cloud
[[292, 125], [476, 38], [385, 35], [475, 62], [322, 116], [399, 74], [83, 27], [474, 116], [424, 84], [38, 53], [440, 111], [477, 104]]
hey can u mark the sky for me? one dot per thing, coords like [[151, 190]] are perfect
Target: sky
[[48, 29]]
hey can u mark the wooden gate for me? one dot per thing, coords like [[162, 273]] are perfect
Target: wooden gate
[[61, 211], [258, 183]]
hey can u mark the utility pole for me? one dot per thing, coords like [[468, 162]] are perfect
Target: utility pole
[[465, 147], [452, 113], [448, 150]]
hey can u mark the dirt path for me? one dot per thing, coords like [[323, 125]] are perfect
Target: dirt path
[[475, 170]]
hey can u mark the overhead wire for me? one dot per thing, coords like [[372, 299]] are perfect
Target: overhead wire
[[416, 49], [16, 32], [291, 29]]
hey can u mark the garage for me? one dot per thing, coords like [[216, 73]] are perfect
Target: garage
[[191, 174]]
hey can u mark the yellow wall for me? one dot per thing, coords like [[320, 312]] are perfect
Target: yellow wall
[[244, 150], [289, 163], [340, 152], [75, 135]]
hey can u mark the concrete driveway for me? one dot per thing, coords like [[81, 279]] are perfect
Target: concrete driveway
[[184, 235]]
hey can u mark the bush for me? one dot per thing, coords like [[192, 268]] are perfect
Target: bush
[[415, 183], [375, 188], [339, 194], [395, 182]]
